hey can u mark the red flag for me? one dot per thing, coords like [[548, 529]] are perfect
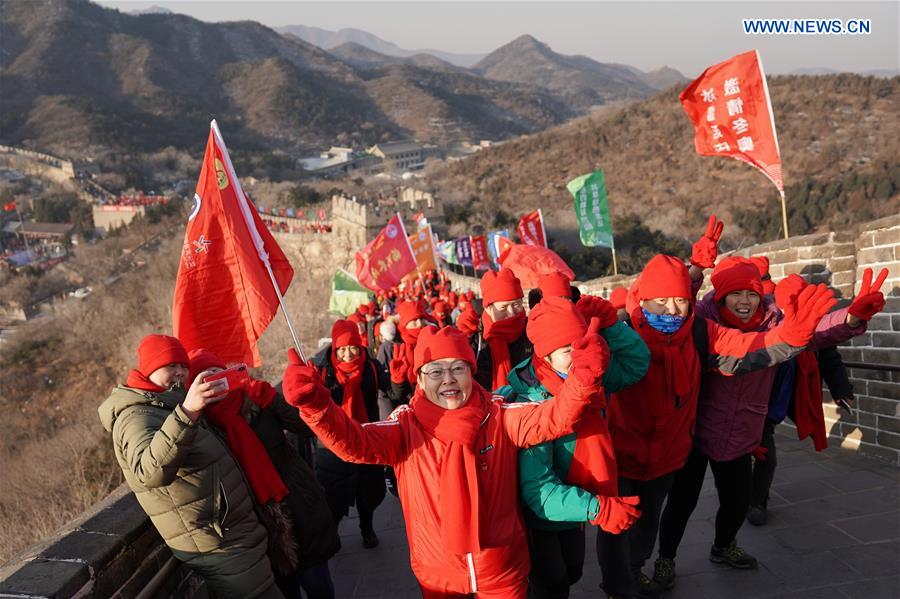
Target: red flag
[[531, 229], [529, 262], [387, 258], [480, 260], [9, 206], [224, 297], [731, 110]]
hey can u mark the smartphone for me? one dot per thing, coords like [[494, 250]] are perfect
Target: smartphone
[[235, 377]]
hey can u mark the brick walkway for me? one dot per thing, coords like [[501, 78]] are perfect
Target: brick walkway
[[833, 533]]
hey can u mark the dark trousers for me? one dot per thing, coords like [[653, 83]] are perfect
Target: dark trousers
[[764, 470], [315, 581], [623, 555], [557, 560], [733, 487]]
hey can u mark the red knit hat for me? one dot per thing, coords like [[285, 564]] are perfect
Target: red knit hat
[[363, 309], [356, 317], [663, 276], [343, 333], [555, 284], [470, 295], [762, 265], [437, 344], [410, 311], [735, 274], [203, 359], [617, 297], [155, 351], [554, 323], [500, 287], [440, 307]]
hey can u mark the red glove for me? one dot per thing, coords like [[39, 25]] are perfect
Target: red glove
[[760, 453], [804, 312], [617, 513], [787, 290], [301, 381], [399, 368], [869, 301], [706, 250], [592, 306], [590, 356]]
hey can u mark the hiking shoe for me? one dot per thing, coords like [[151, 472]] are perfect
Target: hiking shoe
[[732, 555], [646, 588], [664, 572], [370, 539], [757, 515]]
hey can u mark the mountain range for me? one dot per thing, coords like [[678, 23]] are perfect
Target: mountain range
[[78, 79]]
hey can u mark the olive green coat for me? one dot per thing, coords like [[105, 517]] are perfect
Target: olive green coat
[[190, 485]]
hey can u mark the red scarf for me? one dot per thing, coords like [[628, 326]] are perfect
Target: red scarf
[[674, 353], [138, 380], [730, 319], [349, 376], [248, 450], [410, 337], [460, 500], [809, 415], [499, 335], [593, 466]]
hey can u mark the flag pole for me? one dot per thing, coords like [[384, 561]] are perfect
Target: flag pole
[[22, 231], [254, 235], [784, 215], [615, 267]]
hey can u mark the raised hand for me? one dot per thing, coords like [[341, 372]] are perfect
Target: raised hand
[[399, 367], [592, 306], [870, 300], [803, 313], [300, 381], [590, 356], [617, 514], [705, 251]]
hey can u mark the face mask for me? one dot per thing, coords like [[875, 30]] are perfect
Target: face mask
[[664, 323]]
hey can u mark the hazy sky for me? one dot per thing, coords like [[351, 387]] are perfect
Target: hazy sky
[[686, 35]]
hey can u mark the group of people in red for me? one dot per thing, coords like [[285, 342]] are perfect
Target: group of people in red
[[504, 430]]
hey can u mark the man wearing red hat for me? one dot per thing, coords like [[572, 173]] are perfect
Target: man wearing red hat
[[651, 421], [731, 410], [455, 451], [177, 467], [354, 379], [502, 343], [572, 480]]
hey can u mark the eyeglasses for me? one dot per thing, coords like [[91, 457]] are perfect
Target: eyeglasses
[[456, 371]]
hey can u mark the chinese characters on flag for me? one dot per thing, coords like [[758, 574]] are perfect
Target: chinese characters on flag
[[480, 258], [463, 251], [531, 229], [386, 259], [730, 107], [224, 296], [422, 244]]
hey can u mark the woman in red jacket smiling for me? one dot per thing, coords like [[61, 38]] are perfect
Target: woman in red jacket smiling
[[455, 450]]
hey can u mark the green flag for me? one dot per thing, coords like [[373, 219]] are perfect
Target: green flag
[[346, 293], [592, 210]]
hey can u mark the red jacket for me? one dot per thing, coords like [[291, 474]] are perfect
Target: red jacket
[[403, 443], [652, 430]]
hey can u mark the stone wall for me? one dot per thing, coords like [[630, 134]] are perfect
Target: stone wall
[[838, 259], [110, 551]]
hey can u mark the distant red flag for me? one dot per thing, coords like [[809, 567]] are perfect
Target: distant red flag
[[9, 206], [480, 259], [529, 262], [387, 258], [224, 297], [531, 229], [731, 110]]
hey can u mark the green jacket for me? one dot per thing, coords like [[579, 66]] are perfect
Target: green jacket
[[550, 503], [196, 495]]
